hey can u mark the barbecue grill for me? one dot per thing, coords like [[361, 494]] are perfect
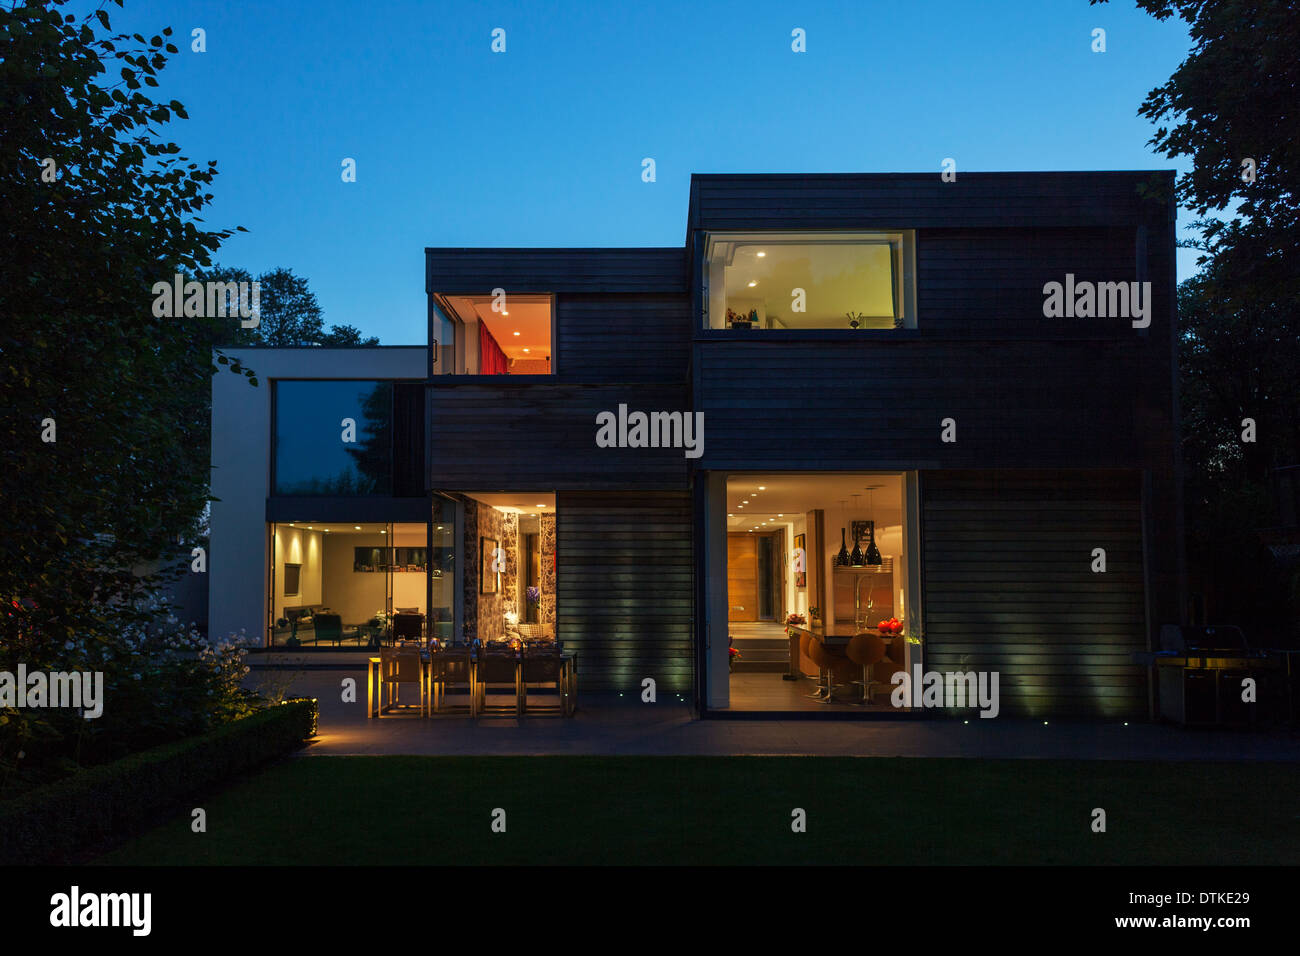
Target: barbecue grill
[[1201, 671]]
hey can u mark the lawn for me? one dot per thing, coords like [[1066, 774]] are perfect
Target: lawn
[[737, 810]]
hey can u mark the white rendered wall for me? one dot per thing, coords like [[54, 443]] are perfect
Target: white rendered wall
[[241, 466]]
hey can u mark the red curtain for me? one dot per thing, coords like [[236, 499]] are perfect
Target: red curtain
[[491, 360]]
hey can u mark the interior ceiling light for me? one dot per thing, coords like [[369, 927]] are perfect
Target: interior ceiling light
[[357, 527], [762, 254], [762, 487], [752, 284], [516, 333], [527, 350]]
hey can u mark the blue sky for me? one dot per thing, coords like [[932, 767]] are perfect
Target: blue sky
[[542, 145]]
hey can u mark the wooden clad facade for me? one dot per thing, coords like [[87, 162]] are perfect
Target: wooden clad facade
[[625, 581], [1010, 586], [1066, 428]]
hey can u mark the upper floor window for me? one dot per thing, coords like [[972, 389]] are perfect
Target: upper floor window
[[770, 280], [496, 334], [333, 438]]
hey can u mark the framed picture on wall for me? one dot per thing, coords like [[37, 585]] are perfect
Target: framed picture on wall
[[799, 561], [487, 563]]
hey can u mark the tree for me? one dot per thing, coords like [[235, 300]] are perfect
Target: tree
[[289, 313], [1229, 107], [101, 470]]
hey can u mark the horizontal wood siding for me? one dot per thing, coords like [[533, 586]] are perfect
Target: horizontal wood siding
[[923, 200], [623, 338], [988, 283], [1008, 587], [880, 402], [624, 589], [533, 435], [475, 271]]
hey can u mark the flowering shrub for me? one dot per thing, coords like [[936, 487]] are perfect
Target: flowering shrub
[[162, 681]]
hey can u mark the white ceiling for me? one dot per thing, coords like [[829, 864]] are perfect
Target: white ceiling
[[527, 315], [790, 496], [521, 502]]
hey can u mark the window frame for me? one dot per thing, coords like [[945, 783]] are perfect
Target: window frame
[[905, 240]]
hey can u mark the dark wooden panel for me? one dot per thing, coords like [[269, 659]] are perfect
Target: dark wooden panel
[[879, 402], [920, 200], [623, 338], [476, 271], [409, 468], [1008, 587], [988, 283], [625, 588], [535, 436]]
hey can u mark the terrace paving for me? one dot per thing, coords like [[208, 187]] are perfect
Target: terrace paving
[[607, 724]]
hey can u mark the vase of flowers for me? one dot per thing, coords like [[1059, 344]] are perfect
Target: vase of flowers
[[533, 600], [793, 621], [733, 656]]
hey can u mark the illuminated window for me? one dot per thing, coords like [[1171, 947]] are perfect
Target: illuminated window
[[772, 281]]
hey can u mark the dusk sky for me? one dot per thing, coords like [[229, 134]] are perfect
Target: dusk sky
[[542, 145]]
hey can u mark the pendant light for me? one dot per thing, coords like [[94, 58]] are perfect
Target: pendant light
[[856, 557], [873, 553], [842, 559]]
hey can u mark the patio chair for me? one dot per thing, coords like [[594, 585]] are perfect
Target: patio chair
[[329, 627], [542, 665], [496, 668], [451, 667], [398, 666]]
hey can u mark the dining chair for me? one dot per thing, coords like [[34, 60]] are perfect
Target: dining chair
[[496, 668], [407, 626], [542, 665], [449, 667], [398, 666]]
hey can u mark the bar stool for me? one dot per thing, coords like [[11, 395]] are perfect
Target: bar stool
[[834, 668], [866, 650]]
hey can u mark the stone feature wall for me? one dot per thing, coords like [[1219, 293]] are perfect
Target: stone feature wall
[[547, 610], [484, 613], [510, 580]]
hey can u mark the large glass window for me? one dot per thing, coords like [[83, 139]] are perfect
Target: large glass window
[[499, 334], [809, 281], [333, 438], [357, 584]]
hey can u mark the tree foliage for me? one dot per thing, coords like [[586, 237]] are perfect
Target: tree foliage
[[289, 313], [1230, 108], [96, 205]]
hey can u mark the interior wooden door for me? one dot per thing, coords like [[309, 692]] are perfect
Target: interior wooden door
[[742, 578]]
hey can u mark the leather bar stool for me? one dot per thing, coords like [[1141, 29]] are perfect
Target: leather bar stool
[[837, 670], [867, 650]]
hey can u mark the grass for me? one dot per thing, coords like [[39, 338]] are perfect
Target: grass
[[737, 810]]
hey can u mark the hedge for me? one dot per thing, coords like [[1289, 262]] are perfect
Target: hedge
[[52, 823]]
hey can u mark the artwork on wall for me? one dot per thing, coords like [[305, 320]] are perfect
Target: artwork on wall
[[488, 557], [799, 561]]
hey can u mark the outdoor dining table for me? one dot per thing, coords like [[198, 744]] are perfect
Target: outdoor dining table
[[568, 679]]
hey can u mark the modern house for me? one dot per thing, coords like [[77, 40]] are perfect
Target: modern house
[[878, 396]]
